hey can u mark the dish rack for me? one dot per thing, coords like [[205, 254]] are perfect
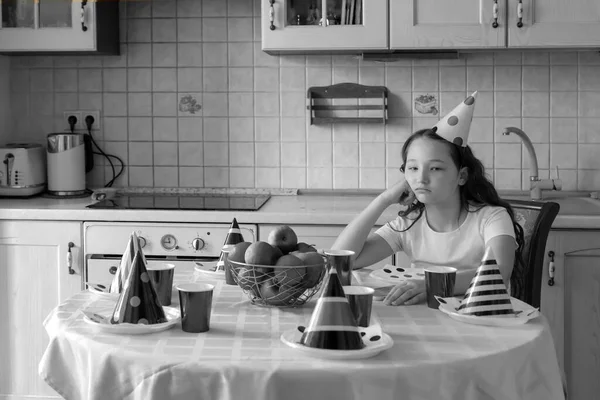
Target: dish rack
[[347, 102]]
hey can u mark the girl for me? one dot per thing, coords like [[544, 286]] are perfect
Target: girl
[[453, 212]]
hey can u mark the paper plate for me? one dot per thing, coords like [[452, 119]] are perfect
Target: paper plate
[[100, 319], [524, 312], [393, 274], [207, 269], [373, 345]]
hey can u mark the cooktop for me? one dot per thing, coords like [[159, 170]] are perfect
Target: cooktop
[[213, 202]]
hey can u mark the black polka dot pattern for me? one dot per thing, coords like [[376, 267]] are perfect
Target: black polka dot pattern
[[470, 100], [453, 120]]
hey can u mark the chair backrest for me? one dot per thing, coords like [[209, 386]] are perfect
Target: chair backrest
[[535, 218]]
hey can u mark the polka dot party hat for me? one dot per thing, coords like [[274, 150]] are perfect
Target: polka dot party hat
[[133, 247], [138, 302], [234, 236], [455, 126], [487, 294], [332, 324]]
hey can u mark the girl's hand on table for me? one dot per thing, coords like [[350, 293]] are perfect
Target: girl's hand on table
[[406, 293]]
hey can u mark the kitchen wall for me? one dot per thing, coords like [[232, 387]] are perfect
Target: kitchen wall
[[4, 97], [192, 101]]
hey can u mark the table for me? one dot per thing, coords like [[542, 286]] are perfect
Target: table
[[242, 357]]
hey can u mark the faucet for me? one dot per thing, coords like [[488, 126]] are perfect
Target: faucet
[[536, 185]]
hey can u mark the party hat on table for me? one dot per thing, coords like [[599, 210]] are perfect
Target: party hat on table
[[332, 324], [234, 236], [487, 294], [455, 126], [138, 302], [133, 247]]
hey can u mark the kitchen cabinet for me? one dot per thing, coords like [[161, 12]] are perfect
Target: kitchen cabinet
[[63, 26], [320, 236], [322, 25], [464, 24], [34, 278], [572, 306]]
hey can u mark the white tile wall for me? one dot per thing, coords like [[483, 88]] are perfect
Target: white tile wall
[[192, 101]]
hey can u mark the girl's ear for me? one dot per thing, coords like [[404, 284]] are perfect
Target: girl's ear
[[463, 175]]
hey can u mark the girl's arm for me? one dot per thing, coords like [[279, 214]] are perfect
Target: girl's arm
[[371, 248]]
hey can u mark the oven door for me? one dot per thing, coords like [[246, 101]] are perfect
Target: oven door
[[100, 269]]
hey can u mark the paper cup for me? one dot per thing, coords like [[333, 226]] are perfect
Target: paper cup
[[342, 261], [439, 281], [162, 278], [195, 303], [360, 299]]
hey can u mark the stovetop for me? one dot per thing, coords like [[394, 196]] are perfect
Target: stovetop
[[209, 202]]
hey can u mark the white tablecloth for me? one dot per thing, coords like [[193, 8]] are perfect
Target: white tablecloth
[[433, 358]]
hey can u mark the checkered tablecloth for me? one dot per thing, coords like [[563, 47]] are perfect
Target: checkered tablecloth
[[242, 357]]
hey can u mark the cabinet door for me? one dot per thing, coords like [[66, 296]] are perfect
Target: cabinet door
[[321, 237], [323, 25], [554, 23], [34, 279], [457, 24], [47, 25]]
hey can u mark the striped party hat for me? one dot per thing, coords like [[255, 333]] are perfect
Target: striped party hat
[[234, 236], [133, 247], [332, 324], [138, 302], [487, 294]]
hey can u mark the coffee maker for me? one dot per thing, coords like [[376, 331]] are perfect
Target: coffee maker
[[69, 157]]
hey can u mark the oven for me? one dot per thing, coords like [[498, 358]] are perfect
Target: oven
[[188, 246]]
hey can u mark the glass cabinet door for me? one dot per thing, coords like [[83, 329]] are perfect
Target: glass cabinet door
[[324, 24], [18, 13], [55, 14]]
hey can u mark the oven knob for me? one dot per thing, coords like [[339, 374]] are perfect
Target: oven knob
[[142, 241], [112, 270], [198, 244]]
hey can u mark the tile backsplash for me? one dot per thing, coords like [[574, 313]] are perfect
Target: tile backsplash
[[192, 101]]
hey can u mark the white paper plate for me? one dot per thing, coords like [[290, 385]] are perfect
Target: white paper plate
[[207, 269], [372, 348], [99, 318], [524, 311], [393, 274]]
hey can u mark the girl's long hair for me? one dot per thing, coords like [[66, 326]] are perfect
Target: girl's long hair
[[477, 192]]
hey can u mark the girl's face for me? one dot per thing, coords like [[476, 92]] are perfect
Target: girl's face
[[431, 173]]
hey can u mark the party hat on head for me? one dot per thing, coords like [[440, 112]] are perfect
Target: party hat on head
[[487, 294], [133, 247], [332, 324], [234, 236], [455, 126], [138, 302]]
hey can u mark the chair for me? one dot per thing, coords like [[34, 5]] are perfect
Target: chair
[[535, 218]]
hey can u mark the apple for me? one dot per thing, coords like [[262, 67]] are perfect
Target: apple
[[237, 254], [276, 295], [250, 281], [262, 253], [289, 276], [284, 238], [316, 269], [305, 248]]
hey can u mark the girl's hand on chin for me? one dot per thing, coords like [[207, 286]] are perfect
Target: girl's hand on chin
[[406, 293], [400, 193]]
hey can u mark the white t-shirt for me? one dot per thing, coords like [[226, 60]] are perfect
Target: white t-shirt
[[463, 248]]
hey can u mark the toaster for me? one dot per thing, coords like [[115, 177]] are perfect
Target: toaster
[[23, 169]]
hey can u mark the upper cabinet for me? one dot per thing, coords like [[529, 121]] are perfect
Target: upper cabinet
[[553, 23], [324, 25], [434, 24], [38, 26]]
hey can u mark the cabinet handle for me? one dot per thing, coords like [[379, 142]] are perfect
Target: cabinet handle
[[520, 14], [272, 15], [83, 4], [495, 14], [70, 258], [551, 268]]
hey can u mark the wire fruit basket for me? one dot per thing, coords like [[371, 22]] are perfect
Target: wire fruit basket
[[278, 286]]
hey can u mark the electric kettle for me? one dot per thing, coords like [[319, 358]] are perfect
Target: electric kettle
[[69, 157]]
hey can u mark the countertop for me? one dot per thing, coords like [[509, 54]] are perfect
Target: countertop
[[305, 208]]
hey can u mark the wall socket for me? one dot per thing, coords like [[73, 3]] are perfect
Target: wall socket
[[80, 126]]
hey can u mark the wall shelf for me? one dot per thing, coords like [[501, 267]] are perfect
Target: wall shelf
[[347, 103]]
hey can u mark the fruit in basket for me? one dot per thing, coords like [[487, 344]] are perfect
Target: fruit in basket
[[304, 248], [250, 280], [289, 276], [238, 253], [313, 274], [262, 253], [279, 295], [284, 238]]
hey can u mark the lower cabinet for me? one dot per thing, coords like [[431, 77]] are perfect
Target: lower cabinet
[[572, 306], [320, 236], [34, 278]]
